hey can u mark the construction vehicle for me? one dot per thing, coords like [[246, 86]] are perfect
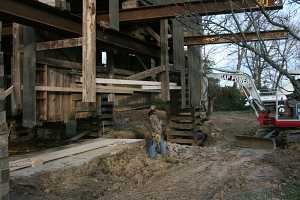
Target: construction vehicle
[[277, 126]]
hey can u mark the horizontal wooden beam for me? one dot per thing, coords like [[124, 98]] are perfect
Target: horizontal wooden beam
[[59, 44], [147, 73], [127, 82], [233, 38], [59, 63], [204, 7], [100, 89], [155, 87]]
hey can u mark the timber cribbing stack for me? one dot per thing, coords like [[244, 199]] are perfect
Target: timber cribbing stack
[[181, 128]]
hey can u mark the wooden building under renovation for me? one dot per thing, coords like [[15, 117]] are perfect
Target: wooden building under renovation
[[71, 63]]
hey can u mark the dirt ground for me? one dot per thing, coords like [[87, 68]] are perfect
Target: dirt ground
[[216, 171]]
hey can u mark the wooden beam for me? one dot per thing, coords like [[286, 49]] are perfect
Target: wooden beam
[[89, 51], [153, 33], [202, 8], [59, 44], [99, 89], [155, 87], [147, 73], [234, 38], [5, 93], [164, 60], [4, 168], [29, 75], [179, 56], [59, 63], [127, 82], [114, 20], [16, 100], [53, 62]]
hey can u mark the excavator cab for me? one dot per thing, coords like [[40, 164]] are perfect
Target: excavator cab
[[287, 112]]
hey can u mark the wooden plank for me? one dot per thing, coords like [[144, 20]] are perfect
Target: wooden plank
[[68, 151], [114, 19], [16, 100], [4, 94], [153, 34], [183, 141], [4, 172], [155, 87], [181, 126], [127, 82], [89, 51], [181, 133], [59, 44], [164, 60], [235, 38], [147, 73], [100, 89], [29, 75], [179, 56]]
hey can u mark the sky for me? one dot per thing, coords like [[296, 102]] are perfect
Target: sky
[[224, 58]]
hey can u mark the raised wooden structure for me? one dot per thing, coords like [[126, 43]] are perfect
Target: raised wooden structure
[[67, 61]]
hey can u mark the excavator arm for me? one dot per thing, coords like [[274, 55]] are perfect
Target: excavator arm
[[246, 83]]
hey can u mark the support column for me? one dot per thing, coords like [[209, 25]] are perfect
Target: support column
[[164, 60], [179, 57], [89, 51], [194, 75], [16, 100], [4, 168], [111, 66], [114, 19], [29, 76]]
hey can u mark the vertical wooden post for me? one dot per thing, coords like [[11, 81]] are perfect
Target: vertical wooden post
[[194, 75], [114, 19], [4, 168], [89, 51], [164, 60], [29, 74], [111, 65], [179, 57], [16, 104]]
